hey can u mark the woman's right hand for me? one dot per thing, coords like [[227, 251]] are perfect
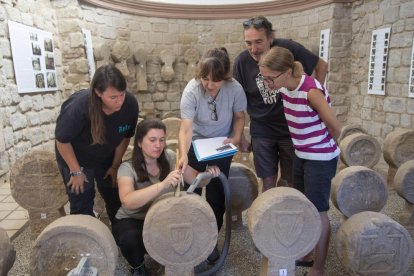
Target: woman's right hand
[[172, 179], [182, 163], [76, 183]]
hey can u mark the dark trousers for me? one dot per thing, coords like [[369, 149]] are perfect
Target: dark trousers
[[214, 190], [128, 235], [83, 203]]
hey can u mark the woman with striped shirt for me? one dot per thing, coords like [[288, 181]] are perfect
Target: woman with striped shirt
[[314, 129]]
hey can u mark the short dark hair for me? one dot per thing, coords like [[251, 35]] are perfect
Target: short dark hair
[[259, 22], [215, 62]]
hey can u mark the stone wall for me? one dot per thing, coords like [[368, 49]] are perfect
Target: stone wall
[[28, 120], [380, 115]]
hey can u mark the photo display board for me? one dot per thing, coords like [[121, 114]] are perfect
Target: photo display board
[[33, 58]]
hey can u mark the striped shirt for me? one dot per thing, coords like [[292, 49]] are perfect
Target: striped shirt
[[310, 136]]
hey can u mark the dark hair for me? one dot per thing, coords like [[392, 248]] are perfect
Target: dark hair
[[215, 62], [259, 22], [281, 59], [105, 76], [138, 160]]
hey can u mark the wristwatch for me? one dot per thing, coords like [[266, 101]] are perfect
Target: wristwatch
[[78, 173]]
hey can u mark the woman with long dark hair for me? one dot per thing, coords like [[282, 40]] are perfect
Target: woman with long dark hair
[[92, 133], [150, 173]]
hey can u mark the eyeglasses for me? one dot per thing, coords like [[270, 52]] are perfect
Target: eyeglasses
[[212, 107], [269, 80], [256, 22]]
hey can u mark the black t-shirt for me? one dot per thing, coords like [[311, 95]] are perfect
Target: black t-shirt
[[265, 106], [73, 126]]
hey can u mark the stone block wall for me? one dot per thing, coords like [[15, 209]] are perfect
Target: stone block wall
[[27, 121], [380, 115]]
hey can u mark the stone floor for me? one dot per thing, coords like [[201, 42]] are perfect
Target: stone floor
[[12, 216]]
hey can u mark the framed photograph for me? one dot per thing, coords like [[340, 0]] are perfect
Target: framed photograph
[[33, 58]]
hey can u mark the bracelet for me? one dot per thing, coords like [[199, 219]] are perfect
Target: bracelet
[[115, 167], [78, 173]]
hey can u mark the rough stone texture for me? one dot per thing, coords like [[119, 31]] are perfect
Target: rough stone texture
[[39, 220], [36, 184], [350, 129], [371, 243], [177, 236], [173, 127], [244, 190], [397, 149], [356, 189], [360, 149], [120, 53], [284, 226], [404, 181], [7, 253], [61, 245]]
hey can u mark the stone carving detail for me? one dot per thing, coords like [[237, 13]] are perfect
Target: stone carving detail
[[7, 253], [360, 150], [356, 189], [120, 53], [398, 148], [284, 226], [180, 232], [191, 56], [181, 237], [371, 243], [140, 59], [167, 61], [61, 244], [102, 54], [288, 226]]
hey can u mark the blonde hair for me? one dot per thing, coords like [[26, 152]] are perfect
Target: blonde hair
[[281, 59]]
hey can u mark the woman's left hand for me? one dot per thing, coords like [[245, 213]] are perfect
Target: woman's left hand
[[113, 173]]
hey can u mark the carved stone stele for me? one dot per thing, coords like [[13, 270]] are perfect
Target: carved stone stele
[[7, 253], [173, 127], [36, 183], [63, 242], [191, 56], [284, 226], [180, 232], [356, 189], [398, 148], [350, 129], [167, 70], [371, 243], [140, 58], [102, 54], [360, 149], [244, 188]]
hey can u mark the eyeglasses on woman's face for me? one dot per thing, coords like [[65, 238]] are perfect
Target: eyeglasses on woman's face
[[269, 79], [213, 108]]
